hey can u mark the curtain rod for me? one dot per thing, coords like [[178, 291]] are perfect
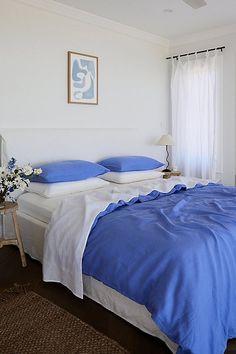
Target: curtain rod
[[192, 53]]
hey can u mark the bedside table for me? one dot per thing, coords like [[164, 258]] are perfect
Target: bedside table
[[11, 208], [171, 173]]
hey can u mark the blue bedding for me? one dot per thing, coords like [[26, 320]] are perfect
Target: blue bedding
[[175, 253]]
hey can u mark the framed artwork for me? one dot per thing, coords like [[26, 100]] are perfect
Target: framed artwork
[[82, 78]]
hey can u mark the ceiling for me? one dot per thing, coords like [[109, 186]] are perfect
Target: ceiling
[[154, 16]]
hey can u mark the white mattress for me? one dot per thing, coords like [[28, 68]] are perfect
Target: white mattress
[[38, 207], [34, 214]]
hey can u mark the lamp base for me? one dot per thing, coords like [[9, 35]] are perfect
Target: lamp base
[[166, 170]]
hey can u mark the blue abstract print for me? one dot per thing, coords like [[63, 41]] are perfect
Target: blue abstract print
[[83, 75]]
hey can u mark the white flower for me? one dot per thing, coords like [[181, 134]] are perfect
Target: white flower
[[27, 170], [37, 171], [17, 180], [22, 185]]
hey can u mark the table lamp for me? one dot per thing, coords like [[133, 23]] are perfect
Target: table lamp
[[166, 140]]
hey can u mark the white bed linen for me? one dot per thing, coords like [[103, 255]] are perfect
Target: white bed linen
[[52, 190], [131, 176]]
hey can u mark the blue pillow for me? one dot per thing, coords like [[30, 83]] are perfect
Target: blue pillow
[[69, 170], [130, 163]]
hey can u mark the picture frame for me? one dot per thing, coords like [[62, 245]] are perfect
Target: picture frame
[[82, 78]]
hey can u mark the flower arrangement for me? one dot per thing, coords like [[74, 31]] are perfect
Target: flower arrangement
[[13, 177]]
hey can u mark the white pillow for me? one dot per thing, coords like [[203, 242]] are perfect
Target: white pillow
[[131, 176], [50, 190]]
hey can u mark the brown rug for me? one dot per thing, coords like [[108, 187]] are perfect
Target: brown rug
[[30, 324]]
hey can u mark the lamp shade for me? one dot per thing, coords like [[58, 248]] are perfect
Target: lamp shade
[[166, 140]]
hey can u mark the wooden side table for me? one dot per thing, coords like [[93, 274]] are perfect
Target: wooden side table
[[11, 208], [171, 173]]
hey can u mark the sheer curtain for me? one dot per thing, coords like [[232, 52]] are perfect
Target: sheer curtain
[[196, 95]]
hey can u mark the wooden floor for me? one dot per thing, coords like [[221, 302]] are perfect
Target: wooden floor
[[87, 310]]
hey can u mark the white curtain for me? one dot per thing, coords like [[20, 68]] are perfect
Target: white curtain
[[196, 94]]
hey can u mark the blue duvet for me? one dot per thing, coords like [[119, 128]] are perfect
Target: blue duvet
[[175, 253]]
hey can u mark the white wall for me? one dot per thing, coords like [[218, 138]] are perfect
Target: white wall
[[199, 42], [133, 80]]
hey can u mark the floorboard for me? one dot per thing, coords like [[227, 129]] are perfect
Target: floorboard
[[87, 310]]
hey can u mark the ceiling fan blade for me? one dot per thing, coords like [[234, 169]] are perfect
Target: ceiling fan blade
[[195, 4]]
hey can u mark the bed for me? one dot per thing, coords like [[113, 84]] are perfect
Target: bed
[[192, 303], [35, 213]]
